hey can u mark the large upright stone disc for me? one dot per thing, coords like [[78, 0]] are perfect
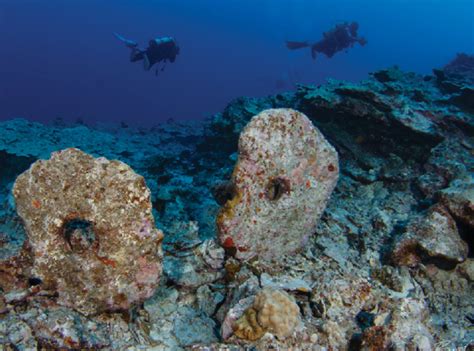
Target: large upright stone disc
[[284, 176], [91, 230]]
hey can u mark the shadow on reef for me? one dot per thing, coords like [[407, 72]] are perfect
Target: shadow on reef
[[389, 266]]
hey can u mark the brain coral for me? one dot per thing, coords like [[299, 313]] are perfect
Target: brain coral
[[284, 175], [274, 311], [91, 230]]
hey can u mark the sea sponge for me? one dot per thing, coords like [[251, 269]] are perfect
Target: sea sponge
[[91, 230], [272, 311], [284, 176]]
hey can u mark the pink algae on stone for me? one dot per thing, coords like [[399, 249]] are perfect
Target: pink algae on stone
[[91, 231], [283, 178], [148, 271]]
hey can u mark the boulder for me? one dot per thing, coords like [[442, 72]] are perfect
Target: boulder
[[432, 236]]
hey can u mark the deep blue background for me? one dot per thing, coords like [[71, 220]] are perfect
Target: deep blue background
[[59, 57]]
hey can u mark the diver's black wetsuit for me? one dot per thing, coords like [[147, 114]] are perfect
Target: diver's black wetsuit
[[341, 37], [159, 50]]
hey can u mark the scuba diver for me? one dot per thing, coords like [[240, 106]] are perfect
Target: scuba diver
[[341, 37], [159, 50]]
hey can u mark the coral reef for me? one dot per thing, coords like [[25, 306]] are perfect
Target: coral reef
[[405, 146], [91, 231], [284, 176]]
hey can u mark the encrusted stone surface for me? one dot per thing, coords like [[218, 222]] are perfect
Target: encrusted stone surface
[[15, 268], [91, 230], [451, 302], [16, 335], [404, 329], [284, 176], [61, 328], [192, 269], [431, 236], [459, 198]]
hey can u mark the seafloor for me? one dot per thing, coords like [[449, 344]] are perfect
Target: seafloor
[[380, 272]]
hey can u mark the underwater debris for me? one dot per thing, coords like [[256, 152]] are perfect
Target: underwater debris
[[341, 37], [284, 176], [91, 231]]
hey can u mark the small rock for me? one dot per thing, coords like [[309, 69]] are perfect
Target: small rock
[[16, 296], [182, 236], [459, 199], [162, 303], [212, 254], [406, 329], [190, 328], [16, 334], [63, 328], [15, 267], [228, 325], [467, 269], [391, 74], [394, 278], [246, 285], [208, 300], [431, 236], [195, 269], [284, 283], [3, 305]]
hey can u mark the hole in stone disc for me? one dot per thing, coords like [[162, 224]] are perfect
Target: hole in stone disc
[[277, 187], [33, 281], [79, 234]]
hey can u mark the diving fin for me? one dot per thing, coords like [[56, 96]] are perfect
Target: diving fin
[[146, 62], [129, 43], [294, 45]]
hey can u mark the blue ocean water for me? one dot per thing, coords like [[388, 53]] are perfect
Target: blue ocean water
[[60, 59]]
